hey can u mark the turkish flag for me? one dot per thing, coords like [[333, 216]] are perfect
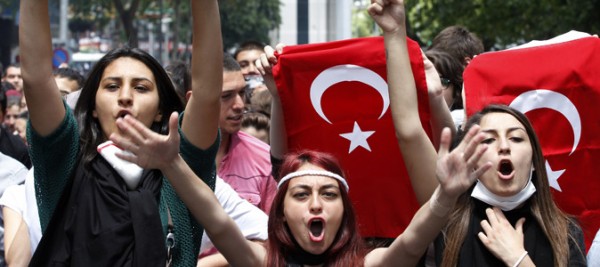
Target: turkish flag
[[558, 87], [335, 99]]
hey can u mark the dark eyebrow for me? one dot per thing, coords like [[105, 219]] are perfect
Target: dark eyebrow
[[142, 80], [307, 187], [511, 129], [301, 186], [329, 186], [112, 78], [134, 79]]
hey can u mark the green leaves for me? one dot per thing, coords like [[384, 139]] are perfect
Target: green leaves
[[243, 20], [504, 23]]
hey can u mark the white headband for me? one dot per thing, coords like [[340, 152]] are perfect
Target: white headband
[[314, 173]]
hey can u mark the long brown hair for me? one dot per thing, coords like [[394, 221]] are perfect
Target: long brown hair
[[553, 222], [347, 248]]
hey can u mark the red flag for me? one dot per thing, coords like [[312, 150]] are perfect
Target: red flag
[[558, 87], [335, 99]]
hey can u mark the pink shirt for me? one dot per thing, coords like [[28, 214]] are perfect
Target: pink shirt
[[247, 168]]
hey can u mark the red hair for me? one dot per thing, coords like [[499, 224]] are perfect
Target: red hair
[[347, 248]]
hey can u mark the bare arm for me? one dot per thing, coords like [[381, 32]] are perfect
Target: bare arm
[[456, 171], [417, 150], [215, 260], [440, 113], [44, 102], [278, 134], [205, 207], [201, 119], [17, 250], [154, 151]]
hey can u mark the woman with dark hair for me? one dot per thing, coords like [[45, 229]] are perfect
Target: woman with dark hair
[[94, 128], [530, 230], [95, 209], [519, 192]]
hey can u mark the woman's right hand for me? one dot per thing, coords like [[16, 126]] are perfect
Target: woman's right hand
[[501, 238], [149, 150], [457, 170]]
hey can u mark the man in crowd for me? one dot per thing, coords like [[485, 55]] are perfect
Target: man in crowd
[[243, 161]]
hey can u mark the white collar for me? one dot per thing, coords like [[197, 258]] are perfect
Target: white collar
[[505, 203]]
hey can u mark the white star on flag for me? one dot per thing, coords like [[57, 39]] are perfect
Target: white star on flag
[[553, 177], [358, 138]]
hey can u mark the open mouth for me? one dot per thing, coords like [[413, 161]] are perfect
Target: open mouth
[[506, 168], [122, 114], [316, 227]]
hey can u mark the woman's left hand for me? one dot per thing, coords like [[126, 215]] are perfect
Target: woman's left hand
[[150, 150]]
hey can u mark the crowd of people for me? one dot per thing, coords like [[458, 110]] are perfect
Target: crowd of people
[[140, 164]]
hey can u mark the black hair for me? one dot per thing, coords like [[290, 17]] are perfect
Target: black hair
[[459, 42], [14, 65], [181, 77], [70, 74], [249, 45], [450, 68], [229, 63], [3, 100], [91, 134]]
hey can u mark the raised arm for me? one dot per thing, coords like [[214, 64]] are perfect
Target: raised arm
[[456, 171], [417, 150], [440, 114], [46, 109], [277, 135], [154, 151], [201, 119]]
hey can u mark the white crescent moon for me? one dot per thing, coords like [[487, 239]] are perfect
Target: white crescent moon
[[541, 98], [346, 73]]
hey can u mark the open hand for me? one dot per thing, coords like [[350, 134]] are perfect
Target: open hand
[[149, 149], [500, 238], [456, 171]]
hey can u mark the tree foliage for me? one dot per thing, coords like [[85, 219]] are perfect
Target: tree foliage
[[504, 23], [104, 10], [243, 20], [362, 24]]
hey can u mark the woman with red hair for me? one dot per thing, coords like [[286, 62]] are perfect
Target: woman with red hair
[[348, 245]]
